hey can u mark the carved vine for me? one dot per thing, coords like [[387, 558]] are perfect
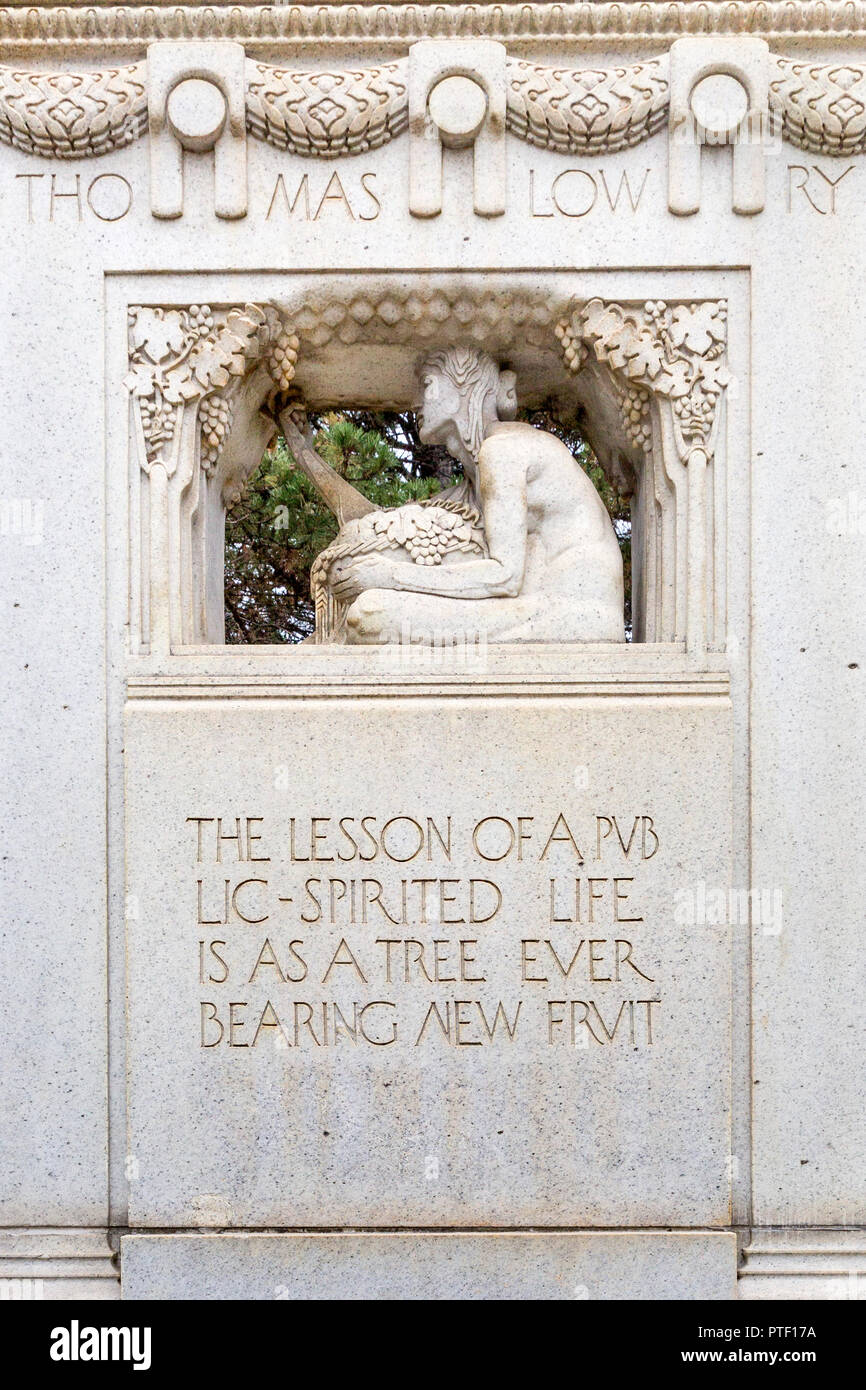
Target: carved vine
[[61, 115], [673, 351], [183, 356]]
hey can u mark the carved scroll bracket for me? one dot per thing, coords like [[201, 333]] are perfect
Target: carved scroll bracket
[[197, 102], [719, 95], [457, 98]]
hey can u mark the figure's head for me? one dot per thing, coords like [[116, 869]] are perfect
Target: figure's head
[[464, 393]]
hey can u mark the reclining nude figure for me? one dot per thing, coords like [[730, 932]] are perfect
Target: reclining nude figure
[[522, 550]]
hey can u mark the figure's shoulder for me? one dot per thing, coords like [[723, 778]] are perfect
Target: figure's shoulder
[[516, 439], [510, 429]]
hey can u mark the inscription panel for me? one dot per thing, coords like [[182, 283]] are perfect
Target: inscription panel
[[398, 962]]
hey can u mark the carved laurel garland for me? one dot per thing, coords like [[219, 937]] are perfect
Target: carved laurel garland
[[573, 111], [327, 113], [61, 115], [66, 115], [587, 111], [822, 108]]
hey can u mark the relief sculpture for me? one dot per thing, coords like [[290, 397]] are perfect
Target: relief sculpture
[[521, 550]]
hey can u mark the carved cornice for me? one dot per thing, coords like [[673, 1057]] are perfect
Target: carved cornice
[[129, 28], [820, 108]]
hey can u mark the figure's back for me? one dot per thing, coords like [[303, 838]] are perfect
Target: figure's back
[[560, 494]]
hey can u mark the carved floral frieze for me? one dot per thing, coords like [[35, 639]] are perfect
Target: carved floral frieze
[[193, 355]]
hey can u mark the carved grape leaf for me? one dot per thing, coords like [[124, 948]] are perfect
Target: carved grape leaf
[[161, 333]]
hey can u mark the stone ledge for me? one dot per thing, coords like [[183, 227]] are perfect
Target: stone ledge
[[241, 672], [56, 1263], [608, 1265]]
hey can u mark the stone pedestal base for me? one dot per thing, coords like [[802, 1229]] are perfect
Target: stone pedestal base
[[806, 1265], [602, 1265]]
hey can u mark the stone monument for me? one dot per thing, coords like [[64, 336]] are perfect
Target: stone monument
[[467, 949]]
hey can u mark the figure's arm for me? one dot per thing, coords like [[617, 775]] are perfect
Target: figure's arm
[[498, 575]]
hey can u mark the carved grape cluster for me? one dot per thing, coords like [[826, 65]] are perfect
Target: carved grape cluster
[[427, 548], [200, 319], [157, 421], [695, 407], [427, 530], [635, 405], [283, 359], [573, 348], [694, 414], [656, 312], [435, 529], [215, 418]]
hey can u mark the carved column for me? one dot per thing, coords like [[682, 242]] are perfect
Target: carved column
[[668, 367], [198, 379]]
